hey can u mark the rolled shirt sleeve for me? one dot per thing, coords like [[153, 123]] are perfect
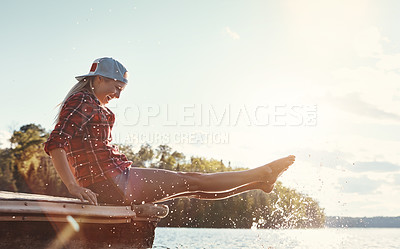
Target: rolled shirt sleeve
[[75, 114]]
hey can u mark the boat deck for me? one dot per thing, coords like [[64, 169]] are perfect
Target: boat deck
[[41, 221]]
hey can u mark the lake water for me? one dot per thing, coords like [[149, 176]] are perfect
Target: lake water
[[262, 238]]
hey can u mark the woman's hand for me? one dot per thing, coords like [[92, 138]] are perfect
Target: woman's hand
[[59, 158], [83, 194]]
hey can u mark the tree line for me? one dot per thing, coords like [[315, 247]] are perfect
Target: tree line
[[377, 222], [25, 167]]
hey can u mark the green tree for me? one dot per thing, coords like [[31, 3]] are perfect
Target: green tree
[[164, 153], [28, 141], [7, 181], [26, 147], [144, 157]]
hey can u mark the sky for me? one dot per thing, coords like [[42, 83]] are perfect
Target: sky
[[246, 82]]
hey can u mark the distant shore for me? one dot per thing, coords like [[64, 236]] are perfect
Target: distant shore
[[379, 221]]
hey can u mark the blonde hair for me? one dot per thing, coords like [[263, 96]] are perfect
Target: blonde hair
[[86, 83]]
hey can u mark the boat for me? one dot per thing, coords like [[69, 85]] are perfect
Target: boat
[[42, 221]]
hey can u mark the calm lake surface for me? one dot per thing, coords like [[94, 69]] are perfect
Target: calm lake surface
[[260, 238]]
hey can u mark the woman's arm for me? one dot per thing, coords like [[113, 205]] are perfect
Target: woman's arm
[[60, 162]]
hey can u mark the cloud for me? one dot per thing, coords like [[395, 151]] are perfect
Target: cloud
[[353, 104], [326, 159], [232, 34], [396, 178], [389, 62], [4, 139], [361, 185], [367, 43], [374, 167], [373, 85]]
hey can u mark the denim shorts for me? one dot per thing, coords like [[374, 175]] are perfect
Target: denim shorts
[[113, 190]]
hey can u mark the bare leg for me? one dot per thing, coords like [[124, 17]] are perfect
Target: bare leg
[[266, 187], [154, 185]]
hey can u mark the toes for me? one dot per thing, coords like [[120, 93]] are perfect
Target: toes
[[291, 158]]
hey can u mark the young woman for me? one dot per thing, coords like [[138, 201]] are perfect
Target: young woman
[[93, 169]]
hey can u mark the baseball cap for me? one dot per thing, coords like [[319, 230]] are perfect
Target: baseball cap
[[107, 67]]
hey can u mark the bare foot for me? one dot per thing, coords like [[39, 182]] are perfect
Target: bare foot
[[273, 170], [266, 187]]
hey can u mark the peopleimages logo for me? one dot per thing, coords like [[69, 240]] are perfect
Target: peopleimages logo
[[208, 115]]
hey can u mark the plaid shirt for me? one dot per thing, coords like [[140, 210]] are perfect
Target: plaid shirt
[[84, 132]]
